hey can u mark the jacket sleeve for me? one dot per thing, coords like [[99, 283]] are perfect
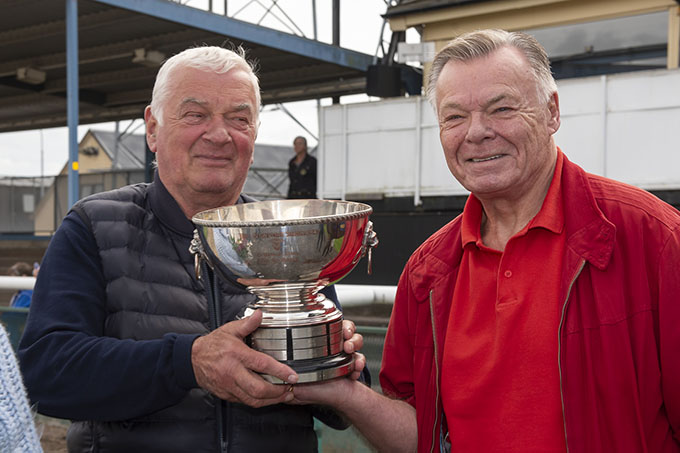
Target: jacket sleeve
[[18, 431], [669, 330], [70, 368], [327, 415], [396, 372]]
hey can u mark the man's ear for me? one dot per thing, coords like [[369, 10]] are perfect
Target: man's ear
[[554, 111], [151, 128]]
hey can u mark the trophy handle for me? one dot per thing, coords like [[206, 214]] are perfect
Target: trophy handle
[[196, 249], [200, 253], [370, 240]]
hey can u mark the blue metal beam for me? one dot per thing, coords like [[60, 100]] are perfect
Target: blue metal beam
[[72, 113], [204, 20]]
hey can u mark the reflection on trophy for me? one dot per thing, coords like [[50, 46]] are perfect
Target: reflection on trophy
[[284, 252]]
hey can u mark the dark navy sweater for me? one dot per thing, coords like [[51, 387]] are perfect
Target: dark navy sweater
[[70, 369]]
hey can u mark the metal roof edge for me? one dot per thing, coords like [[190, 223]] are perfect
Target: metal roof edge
[[425, 6], [256, 34]]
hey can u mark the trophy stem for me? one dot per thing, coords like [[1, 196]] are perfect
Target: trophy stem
[[287, 296], [303, 332]]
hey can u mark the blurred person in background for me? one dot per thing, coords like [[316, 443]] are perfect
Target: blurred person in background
[[22, 298], [301, 171]]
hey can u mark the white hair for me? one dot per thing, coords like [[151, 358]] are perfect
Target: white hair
[[480, 43], [205, 58]]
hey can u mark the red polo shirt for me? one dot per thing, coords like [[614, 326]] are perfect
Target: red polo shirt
[[500, 377]]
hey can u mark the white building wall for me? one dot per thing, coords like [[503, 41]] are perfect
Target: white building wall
[[623, 126]]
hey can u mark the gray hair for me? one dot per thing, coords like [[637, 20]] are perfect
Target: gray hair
[[480, 43], [205, 58]]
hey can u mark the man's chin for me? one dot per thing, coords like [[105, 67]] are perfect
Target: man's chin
[[213, 186]]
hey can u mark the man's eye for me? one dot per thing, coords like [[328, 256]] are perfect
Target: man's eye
[[241, 121], [503, 109], [193, 117]]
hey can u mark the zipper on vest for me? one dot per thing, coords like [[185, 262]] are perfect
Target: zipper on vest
[[559, 346], [226, 429], [211, 286], [436, 380]]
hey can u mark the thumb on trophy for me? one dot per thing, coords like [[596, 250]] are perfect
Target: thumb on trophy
[[247, 325]]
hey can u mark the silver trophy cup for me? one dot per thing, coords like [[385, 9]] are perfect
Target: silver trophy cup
[[284, 252]]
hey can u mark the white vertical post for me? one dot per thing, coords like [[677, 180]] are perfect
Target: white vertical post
[[345, 160], [604, 108], [419, 151], [320, 176], [321, 154], [42, 165]]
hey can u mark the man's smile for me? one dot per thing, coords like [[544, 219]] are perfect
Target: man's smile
[[486, 159]]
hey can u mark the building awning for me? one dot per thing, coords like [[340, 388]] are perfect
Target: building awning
[[121, 45], [406, 7]]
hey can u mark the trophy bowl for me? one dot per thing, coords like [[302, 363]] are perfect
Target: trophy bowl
[[284, 252]]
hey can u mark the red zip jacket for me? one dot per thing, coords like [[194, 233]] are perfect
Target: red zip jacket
[[619, 334]]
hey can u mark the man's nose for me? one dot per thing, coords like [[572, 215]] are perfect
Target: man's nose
[[479, 128], [217, 131]]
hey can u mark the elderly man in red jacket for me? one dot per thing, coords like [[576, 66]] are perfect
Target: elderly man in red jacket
[[546, 317]]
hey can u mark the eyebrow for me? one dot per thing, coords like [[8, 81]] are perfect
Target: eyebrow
[[242, 107], [237, 108], [490, 102], [495, 99], [186, 101]]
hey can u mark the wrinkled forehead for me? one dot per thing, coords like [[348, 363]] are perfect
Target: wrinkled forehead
[[206, 87], [498, 73]]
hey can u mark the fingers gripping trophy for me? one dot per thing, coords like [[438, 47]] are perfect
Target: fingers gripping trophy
[[284, 252]]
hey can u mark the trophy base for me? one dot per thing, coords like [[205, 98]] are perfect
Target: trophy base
[[316, 370], [314, 351]]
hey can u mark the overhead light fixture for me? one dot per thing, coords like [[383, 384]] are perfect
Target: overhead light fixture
[[150, 58], [31, 75]]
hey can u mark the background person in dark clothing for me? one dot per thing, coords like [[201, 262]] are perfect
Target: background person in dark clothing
[[301, 171]]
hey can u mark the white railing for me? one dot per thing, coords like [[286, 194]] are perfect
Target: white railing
[[353, 295], [17, 282], [349, 295]]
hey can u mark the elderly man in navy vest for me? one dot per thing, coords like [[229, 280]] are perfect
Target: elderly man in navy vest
[[118, 338]]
